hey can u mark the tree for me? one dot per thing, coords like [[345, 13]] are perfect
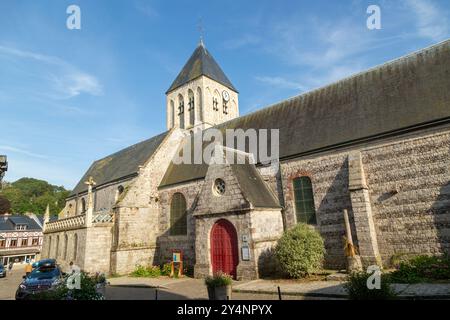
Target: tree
[[5, 205], [32, 195]]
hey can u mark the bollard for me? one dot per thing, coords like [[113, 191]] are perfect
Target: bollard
[[156, 294], [279, 293]]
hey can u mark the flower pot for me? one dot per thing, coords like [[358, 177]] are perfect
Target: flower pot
[[211, 293], [222, 293]]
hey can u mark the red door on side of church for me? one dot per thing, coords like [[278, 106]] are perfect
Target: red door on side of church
[[224, 248]]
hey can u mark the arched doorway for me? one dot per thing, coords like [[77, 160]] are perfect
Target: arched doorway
[[224, 248]]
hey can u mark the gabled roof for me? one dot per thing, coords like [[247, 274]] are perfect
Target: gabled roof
[[201, 63], [403, 95], [253, 187], [9, 223], [121, 164]]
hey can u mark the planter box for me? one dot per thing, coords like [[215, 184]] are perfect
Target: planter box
[[219, 293]]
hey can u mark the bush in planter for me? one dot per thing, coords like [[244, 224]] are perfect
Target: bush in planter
[[300, 251], [357, 288], [219, 286]]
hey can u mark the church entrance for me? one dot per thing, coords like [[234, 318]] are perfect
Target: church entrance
[[224, 248]]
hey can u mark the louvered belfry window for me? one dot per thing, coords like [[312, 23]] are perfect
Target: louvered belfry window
[[178, 215], [304, 201]]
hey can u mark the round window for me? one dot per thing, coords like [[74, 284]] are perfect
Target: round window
[[219, 187]]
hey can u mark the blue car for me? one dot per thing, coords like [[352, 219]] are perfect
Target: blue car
[[2, 271], [43, 278]]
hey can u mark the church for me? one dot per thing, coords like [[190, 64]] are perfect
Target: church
[[376, 144]]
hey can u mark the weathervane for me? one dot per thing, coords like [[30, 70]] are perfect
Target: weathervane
[[201, 30]]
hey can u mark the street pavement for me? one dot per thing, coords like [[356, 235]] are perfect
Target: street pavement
[[10, 283]]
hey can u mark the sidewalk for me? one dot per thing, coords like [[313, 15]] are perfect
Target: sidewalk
[[335, 289]]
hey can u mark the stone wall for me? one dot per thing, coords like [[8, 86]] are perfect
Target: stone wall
[[409, 184], [166, 242], [137, 213], [408, 193]]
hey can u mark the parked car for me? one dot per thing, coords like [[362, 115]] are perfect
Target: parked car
[[45, 277], [45, 263], [2, 270]]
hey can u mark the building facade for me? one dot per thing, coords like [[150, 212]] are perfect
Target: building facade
[[376, 144], [21, 238]]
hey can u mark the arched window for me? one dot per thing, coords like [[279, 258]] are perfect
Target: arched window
[[83, 205], [172, 114], [216, 99], [49, 250], [181, 110], [304, 201], [199, 105], [178, 215], [66, 239], [191, 108], [57, 247], [75, 246]]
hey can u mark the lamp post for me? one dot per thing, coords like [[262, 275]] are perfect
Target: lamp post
[[3, 168]]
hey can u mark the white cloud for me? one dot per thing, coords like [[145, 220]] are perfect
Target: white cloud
[[146, 9], [64, 80], [431, 21], [280, 82], [21, 151]]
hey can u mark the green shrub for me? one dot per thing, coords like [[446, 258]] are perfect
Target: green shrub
[[88, 290], [300, 251], [422, 269], [146, 272], [357, 288], [166, 269], [218, 280]]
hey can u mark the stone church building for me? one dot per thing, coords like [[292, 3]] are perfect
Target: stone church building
[[376, 144]]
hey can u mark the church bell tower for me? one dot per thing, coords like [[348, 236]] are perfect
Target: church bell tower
[[201, 95]]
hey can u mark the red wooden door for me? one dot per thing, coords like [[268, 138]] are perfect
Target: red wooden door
[[224, 248]]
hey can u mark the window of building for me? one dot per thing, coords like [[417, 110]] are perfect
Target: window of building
[[225, 107], [83, 205], [24, 243], [178, 215], [21, 227], [215, 104], [13, 243], [35, 241], [219, 187], [181, 110], [304, 201], [2, 243]]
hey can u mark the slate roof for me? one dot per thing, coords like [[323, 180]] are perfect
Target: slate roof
[[121, 164], [406, 94], [8, 223], [201, 63], [253, 187]]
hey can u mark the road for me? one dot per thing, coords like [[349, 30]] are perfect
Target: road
[[182, 290], [9, 284]]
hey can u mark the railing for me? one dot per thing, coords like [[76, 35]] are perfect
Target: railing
[[67, 223], [103, 217], [79, 221]]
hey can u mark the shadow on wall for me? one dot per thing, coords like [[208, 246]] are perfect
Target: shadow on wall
[[440, 211], [267, 264], [167, 242], [330, 218]]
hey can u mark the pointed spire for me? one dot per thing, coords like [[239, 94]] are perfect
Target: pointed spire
[[47, 214]]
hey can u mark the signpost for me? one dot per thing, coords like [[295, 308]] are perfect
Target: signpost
[[177, 258]]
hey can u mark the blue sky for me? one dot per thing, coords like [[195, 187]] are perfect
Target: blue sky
[[69, 97]]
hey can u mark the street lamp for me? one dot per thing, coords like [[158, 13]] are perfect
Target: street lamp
[[3, 168]]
